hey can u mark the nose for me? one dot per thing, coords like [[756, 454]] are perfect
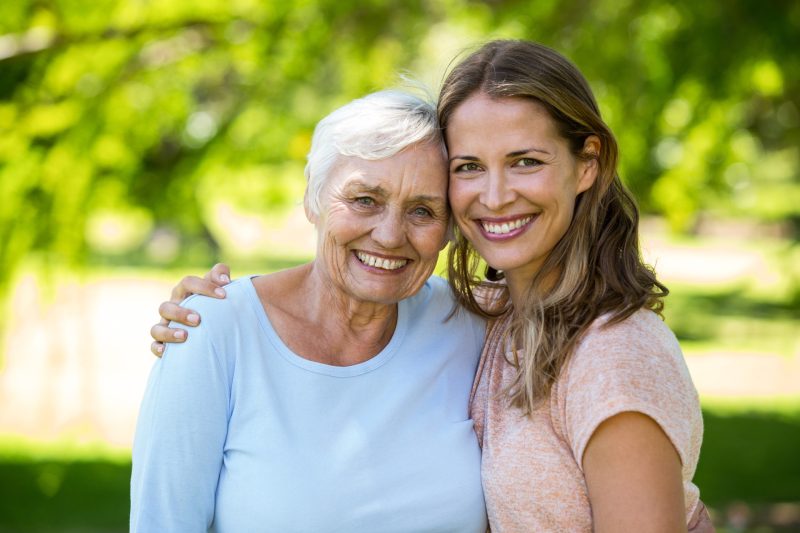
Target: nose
[[497, 193], [390, 229]]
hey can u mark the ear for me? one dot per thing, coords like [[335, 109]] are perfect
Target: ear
[[310, 214], [590, 167]]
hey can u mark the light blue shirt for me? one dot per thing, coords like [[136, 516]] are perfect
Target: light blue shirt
[[238, 434]]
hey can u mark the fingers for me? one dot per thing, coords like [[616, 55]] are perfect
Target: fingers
[[209, 285], [194, 285], [162, 333], [220, 274], [172, 311], [157, 348]]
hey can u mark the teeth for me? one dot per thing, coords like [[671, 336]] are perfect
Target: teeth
[[378, 262], [505, 227]]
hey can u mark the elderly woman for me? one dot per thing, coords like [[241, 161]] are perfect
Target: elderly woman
[[331, 396]]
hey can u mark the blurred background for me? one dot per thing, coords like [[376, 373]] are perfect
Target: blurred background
[[141, 141]]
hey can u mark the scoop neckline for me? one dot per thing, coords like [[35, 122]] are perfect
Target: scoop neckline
[[358, 369]]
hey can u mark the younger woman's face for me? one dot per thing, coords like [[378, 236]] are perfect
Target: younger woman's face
[[513, 181]]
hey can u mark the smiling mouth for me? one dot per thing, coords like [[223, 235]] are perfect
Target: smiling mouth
[[380, 262], [506, 227]]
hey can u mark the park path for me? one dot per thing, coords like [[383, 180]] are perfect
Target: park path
[[76, 362]]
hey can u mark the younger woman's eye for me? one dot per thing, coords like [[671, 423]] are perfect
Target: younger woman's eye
[[527, 162], [467, 167]]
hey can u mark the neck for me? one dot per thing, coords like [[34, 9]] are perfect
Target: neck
[[519, 285], [517, 289], [359, 329]]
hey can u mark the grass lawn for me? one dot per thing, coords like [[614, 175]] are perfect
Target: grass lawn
[[749, 470], [63, 495], [750, 461], [62, 487], [732, 319]]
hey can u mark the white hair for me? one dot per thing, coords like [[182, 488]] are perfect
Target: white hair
[[374, 127]]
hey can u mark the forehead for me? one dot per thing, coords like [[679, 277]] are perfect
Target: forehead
[[511, 119], [416, 170]]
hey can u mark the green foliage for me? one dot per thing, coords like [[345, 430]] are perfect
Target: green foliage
[[123, 122]]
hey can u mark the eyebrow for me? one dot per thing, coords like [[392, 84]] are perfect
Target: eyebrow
[[515, 153], [380, 191], [428, 198], [527, 151], [361, 186]]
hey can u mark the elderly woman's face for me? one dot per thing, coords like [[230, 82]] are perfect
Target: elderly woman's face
[[383, 223]]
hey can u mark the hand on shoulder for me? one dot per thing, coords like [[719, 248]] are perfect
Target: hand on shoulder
[[172, 311]]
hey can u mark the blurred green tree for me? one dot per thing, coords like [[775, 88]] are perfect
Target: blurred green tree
[[132, 127]]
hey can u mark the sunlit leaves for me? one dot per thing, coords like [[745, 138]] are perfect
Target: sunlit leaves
[[47, 120], [170, 116]]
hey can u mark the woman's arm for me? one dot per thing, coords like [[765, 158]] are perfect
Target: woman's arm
[[180, 434], [632, 418], [633, 474], [209, 285]]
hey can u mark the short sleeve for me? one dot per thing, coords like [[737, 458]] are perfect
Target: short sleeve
[[180, 434], [635, 365]]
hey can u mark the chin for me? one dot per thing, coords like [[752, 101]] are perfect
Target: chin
[[379, 295]]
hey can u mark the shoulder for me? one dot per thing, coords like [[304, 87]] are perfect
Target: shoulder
[[635, 354], [435, 306], [223, 312], [641, 336], [213, 347], [435, 295], [222, 321], [437, 287], [632, 365]]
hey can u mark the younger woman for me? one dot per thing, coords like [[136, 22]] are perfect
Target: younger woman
[[583, 404]]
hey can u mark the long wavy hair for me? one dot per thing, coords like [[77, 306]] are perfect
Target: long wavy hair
[[596, 268]]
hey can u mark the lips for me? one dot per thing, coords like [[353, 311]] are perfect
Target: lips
[[383, 263], [505, 227], [500, 229]]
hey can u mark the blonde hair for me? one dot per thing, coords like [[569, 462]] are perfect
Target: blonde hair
[[597, 264]]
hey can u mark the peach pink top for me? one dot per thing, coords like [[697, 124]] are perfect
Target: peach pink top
[[532, 467]]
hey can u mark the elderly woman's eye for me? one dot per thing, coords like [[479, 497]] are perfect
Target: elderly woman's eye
[[422, 212], [365, 201]]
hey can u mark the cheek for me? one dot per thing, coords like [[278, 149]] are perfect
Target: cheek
[[429, 240], [330, 252], [458, 195], [566, 220], [333, 236], [564, 216], [560, 194]]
